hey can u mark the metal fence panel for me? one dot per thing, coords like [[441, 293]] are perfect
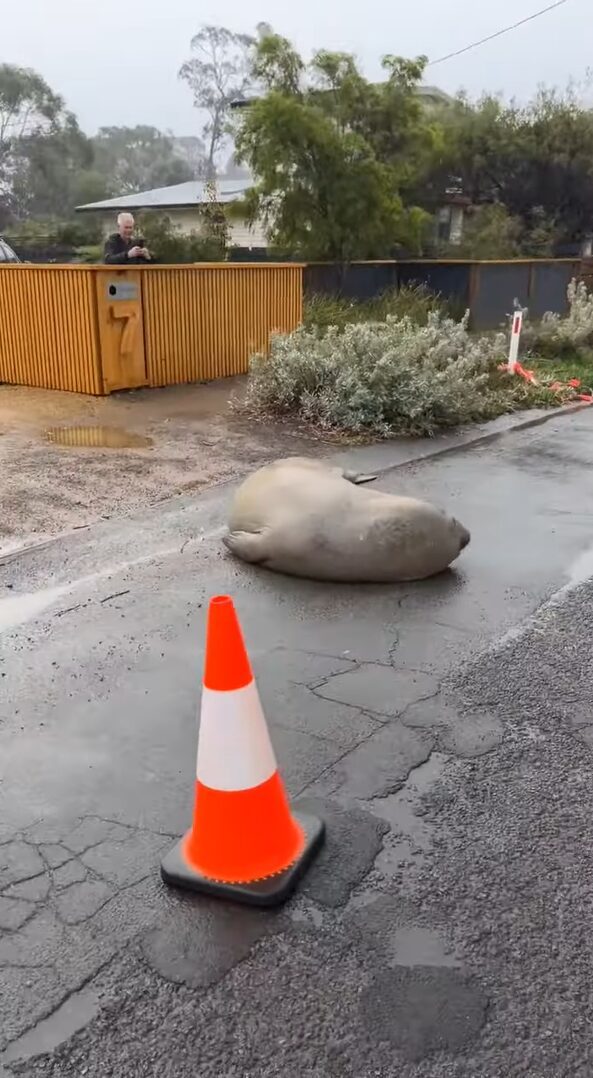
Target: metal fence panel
[[48, 328], [205, 321]]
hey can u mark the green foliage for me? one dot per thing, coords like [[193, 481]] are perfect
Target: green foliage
[[30, 232], [215, 227], [527, 170], [90, 185], [415, 303], [536, 160], [172, 247], [35, 233], [206, 244], [555, 336], [489, 232], [313, 207], [45, 183], [28, 107], [82, 232], [90, 254], [573, 365], [388, 378], [539, 239], [138, 158], [41, 146], [561, 348], [48, 166], [27, 101], [329, 150]]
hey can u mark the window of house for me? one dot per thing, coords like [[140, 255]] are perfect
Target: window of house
[[444, 223]]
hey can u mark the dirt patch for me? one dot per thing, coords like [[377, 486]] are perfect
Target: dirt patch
[[68, 460]]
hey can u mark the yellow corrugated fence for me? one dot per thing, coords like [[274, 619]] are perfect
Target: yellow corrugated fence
[[48, 331], [94, 329], [204, 322]]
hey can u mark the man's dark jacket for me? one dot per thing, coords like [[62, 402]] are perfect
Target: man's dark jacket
[[116, 252]]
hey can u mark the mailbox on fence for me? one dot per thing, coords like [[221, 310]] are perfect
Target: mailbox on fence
[[123, 290], [121, 329]]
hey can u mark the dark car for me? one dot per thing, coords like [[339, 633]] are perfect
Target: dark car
[[6, 253]]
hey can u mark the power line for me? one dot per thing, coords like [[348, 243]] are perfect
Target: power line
[[499, 33]]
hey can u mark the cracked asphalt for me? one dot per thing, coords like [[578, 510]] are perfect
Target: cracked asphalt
[[444, 731]]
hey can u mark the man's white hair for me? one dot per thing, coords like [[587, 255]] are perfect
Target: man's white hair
[[123, 217]]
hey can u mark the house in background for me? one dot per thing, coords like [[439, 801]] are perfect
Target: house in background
[[451, 215], [183, 204], [432, 97]]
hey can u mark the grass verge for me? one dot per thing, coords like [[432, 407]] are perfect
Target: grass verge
[[579, 365], [416, 303]]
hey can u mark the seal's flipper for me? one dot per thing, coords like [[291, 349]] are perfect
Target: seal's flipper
[[358, 477], [249, 546]]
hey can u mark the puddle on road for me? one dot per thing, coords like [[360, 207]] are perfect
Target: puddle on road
[[15, 610], [415, 946], [399, 808], [411, 834], [97, 438]]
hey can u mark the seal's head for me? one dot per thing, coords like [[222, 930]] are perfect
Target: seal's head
[[462, 534]]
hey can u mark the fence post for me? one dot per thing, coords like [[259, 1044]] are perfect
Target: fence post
[[516, 329]]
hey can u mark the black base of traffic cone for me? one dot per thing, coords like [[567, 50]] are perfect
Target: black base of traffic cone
[[271, 891]]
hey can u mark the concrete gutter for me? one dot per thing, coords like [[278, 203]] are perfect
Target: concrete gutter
[[384, 457]]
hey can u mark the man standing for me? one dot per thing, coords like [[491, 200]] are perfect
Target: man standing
[[121, 249]]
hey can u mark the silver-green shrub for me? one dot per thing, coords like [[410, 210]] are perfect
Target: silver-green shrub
[[556, 335], [382, 378]]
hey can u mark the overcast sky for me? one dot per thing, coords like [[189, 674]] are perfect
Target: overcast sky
[[116, 61]]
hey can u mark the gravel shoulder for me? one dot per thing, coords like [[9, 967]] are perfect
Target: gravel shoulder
[[67, 460]]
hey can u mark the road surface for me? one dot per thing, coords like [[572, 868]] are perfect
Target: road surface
[[444, 730]]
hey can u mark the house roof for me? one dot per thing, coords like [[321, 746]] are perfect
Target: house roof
[[178, 196], [434, 94]]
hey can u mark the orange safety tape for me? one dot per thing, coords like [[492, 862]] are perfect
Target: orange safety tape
[[529, 376], [555, 387]]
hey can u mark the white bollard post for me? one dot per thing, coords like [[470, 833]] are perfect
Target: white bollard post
[[515, 339]]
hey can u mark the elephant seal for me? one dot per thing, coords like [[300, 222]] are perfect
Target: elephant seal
[[309, 519]]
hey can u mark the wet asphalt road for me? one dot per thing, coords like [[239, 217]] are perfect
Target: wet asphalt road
[[443, 729]]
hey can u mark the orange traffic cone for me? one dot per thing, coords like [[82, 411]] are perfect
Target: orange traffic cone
[[245, 843]]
